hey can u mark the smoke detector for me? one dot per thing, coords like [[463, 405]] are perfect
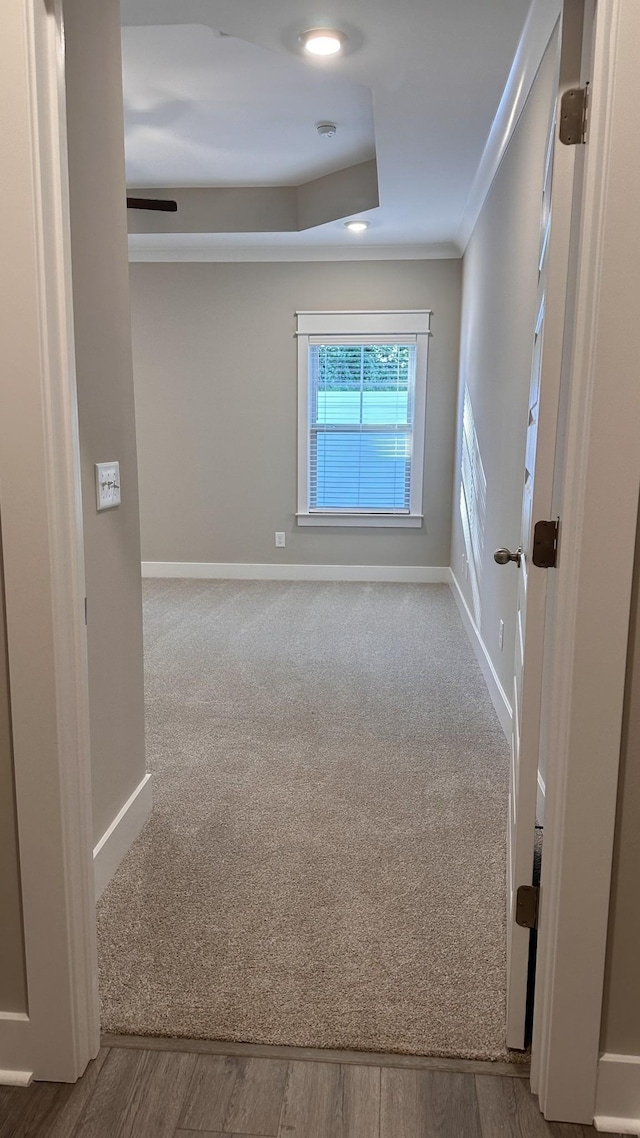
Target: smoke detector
[[326, 129]]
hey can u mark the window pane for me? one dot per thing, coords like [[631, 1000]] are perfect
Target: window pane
[[363, 386], [338, 407], [373, 407], [366, 471], [385, 407], [362, 383]]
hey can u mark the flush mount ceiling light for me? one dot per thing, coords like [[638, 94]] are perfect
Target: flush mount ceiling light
[[356, 226], [322, 41]]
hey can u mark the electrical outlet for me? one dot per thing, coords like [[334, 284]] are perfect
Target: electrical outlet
[[107, 485], [501, 635], [280, 540]]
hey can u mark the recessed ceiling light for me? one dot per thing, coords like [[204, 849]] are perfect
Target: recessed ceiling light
[[322, 41], [356, 226]]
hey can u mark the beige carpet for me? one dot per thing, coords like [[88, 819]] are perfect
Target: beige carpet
[[325, 864]]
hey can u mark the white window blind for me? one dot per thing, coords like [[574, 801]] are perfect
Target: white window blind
[[361, 416]]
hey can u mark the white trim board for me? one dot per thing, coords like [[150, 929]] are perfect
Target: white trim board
[[121, 834], [496, 690], [618, 1094], [207, 251], [245, 571], [606, 1124], [10, 1078], [359, 521], [541, 20], [540, 799], [44, 561]]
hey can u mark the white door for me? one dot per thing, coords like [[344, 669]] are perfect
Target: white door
[[560, 200]]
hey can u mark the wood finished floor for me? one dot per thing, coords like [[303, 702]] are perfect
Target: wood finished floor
[[132, 1092]]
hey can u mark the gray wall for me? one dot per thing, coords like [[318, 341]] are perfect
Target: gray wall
[[216, 395], [13, 997], [105, 400], [621, 1018], [498, 317]]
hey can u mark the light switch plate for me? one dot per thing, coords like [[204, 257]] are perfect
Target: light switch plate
[[107, 485]]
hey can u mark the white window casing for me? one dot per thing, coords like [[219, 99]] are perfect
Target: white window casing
[[316, 329]]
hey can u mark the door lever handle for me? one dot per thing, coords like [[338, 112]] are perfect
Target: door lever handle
[[504, 556]]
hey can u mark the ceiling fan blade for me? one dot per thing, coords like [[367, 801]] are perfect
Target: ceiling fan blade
[[152, 203]]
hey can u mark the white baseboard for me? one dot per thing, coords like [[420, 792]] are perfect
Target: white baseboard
[[618, 1094], [244, 571], [121, 834], [609, 1124], [496, 690], [16, 1078]]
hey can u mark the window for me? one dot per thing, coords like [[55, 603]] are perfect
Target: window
[[361, 406]]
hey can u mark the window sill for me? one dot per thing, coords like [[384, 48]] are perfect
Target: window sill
[[377, 520]]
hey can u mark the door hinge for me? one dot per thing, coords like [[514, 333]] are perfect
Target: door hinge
[[527, 899], [573, 116], [545, 544]]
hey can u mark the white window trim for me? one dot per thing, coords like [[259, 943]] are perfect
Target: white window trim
[[338, 325]]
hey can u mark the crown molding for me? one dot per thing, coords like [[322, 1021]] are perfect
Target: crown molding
[[204, 253], [538, 29]]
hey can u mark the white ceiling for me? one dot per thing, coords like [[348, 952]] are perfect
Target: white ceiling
[[204, 109], [208, 110]]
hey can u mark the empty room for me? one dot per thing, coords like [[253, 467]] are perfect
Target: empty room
[[325, 862]]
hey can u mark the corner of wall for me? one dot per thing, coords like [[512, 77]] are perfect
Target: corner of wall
[[106, 414]]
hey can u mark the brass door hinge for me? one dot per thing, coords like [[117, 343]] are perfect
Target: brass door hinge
[[527, 898], [573, 116]]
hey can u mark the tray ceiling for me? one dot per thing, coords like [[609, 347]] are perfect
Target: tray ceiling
[[217, 94]]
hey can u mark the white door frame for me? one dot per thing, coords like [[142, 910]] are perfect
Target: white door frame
[[39, 481], [40, 501], [589, 642]]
